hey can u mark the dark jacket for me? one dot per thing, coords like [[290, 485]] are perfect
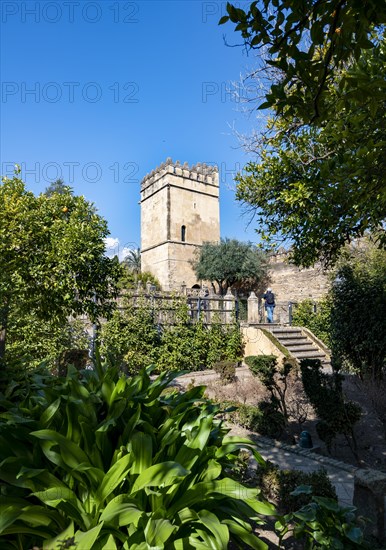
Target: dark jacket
[[272, 299]]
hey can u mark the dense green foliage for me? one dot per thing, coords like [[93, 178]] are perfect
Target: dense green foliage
[[130, 280], [132, 337], [335, 414], [231, 263], [274, 378], [135, 337], [38, 341], [98, 460], [324, 524], [278, 485], [52, 262], [319, 321], [133, 261], [307, 42], [226, 370], [319, 179], [264, 418], [358, 320]]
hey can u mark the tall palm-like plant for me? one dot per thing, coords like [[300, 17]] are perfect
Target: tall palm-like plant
[[133, 260]]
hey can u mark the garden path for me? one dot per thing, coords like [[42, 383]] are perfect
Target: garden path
[[287, 456]]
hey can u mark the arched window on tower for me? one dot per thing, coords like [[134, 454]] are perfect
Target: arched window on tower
[[183, 233]]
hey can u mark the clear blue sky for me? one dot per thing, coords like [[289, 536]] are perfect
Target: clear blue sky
[[100, 93]]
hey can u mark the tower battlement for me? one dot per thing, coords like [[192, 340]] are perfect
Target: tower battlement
[[200, 172], [179, 212]]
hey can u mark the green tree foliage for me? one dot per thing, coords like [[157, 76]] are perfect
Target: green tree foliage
[[129, 279], [305, 43], [230, 263], [133, 260], [38, 341], [58, 186], [105, 462], [52, 262], [358, 321], [316, 316], [319, 179]]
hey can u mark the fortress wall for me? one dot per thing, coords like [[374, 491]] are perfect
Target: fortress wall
[[294, 284]]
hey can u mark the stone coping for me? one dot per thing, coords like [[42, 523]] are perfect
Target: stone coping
[[295, 449]]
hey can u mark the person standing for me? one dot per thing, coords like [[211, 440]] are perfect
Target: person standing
[[269, 305]]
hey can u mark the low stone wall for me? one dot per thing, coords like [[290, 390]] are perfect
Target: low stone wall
[[257, 343], [369, 499]]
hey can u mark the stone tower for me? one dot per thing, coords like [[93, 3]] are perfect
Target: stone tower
[[179, 211]]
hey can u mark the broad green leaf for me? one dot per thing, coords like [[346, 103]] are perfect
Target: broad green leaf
[[72, 454], [8, 515], [160, 475], [110, 544], [248, 538], [87, 539], [157, 532], [219, 530], [114, 477], [57, 542], [49, 413], [263, 508], [122, 511], [141, 445], [212, 471], [217, 489], [187, 515]]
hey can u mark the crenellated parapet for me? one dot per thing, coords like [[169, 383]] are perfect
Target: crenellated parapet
[[200, 172]]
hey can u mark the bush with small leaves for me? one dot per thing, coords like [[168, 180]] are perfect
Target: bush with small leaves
[[226, 370]]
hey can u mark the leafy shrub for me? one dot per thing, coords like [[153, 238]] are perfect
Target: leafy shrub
[[247, 416], [133, 336], [36, 340], [226, 370], [277, 486], [323, 523], [272, 422], [316, 316], [275, 379], [107, 462], [264, 418], [324, 391], [358, 319]]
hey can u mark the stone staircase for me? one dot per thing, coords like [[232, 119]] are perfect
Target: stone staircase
[[299, 344]]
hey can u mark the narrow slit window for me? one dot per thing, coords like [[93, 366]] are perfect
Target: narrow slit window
[[183, 233]]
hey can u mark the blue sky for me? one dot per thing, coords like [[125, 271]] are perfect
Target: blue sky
[[100, 93]]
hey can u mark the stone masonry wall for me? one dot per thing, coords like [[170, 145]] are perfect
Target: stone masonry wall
[[293, 284]]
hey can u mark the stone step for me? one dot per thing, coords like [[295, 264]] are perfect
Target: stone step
[[309, 355], [290, 338], [298, 344], [286, 330], [306, 347]]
